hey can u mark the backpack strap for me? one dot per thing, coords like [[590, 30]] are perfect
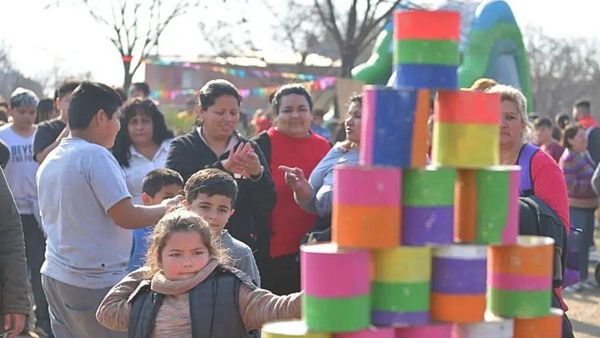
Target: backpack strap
[[525, 158], [593, 136]]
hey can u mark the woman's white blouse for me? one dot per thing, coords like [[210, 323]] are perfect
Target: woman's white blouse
[[139, 166]]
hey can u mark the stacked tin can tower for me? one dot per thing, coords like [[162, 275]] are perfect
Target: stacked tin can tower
[[426, 251]]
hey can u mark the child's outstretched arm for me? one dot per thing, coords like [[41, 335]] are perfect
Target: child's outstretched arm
[[258, 306], [113, 311]]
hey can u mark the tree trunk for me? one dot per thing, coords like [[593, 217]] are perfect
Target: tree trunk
[[127, 76], [348, 59]]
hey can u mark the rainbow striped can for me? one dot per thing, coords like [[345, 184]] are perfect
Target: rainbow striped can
[[372, 332], [400, 286], [290, 329], [520, 278], [492, 327], [394, 127], [458, 283], [466, 129], [336, 288], [426, 53], [487, 205], [428, 206], [426, 331], [549, 326], [366, 207]]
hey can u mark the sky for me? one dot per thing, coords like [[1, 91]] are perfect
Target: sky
[[65, 41]]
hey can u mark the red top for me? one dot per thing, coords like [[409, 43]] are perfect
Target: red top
[[553, 149], [288, 222], [587, 122], [550, 186]]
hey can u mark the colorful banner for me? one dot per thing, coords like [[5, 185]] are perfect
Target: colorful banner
[[238, 72], [316, 85]]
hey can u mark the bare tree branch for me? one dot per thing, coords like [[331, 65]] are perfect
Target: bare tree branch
[[330, 22], [368, 28], [132, 42], [562, 70], [351, 22]]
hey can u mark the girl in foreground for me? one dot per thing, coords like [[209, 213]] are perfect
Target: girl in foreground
[[187, 289]]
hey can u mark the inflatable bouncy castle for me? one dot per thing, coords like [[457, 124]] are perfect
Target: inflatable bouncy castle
[[491, 46]]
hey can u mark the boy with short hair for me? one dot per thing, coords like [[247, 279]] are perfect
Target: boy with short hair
[[544, 140], [158, 185], [20, 173], [87, 214], [51, 132], [211, 193]]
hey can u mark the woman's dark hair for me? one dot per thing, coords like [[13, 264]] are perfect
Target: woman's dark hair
[[355, 98], [122, 93], [214, 89], [562, 120], [44, 110], [129, 110], [347, 144], [568, 134], [542, 122], [143, 86], [67, 87], [290, 89]]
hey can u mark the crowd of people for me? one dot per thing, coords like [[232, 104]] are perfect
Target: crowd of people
[[117, 225]]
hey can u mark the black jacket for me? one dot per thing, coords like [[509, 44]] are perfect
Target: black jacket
[[214, 307], [256, 198], [14, 289]]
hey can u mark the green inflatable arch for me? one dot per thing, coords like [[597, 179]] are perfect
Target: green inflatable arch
[[493, 49]]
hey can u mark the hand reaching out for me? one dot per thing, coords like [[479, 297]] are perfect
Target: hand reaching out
[[173, 201], [295, 179]]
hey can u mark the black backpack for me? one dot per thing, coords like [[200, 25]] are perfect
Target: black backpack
[[536, 218], [593, 135]]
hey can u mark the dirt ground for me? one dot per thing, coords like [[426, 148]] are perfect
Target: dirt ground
[[584, 307]]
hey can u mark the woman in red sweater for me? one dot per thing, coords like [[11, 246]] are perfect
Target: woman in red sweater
[[291, 143], [544, 178]]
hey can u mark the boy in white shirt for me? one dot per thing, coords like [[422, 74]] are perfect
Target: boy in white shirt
[[87, 214], [20, 173]]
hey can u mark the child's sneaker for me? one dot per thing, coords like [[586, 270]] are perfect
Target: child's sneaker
[[589, 285], [594, 256], [574, 288]]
